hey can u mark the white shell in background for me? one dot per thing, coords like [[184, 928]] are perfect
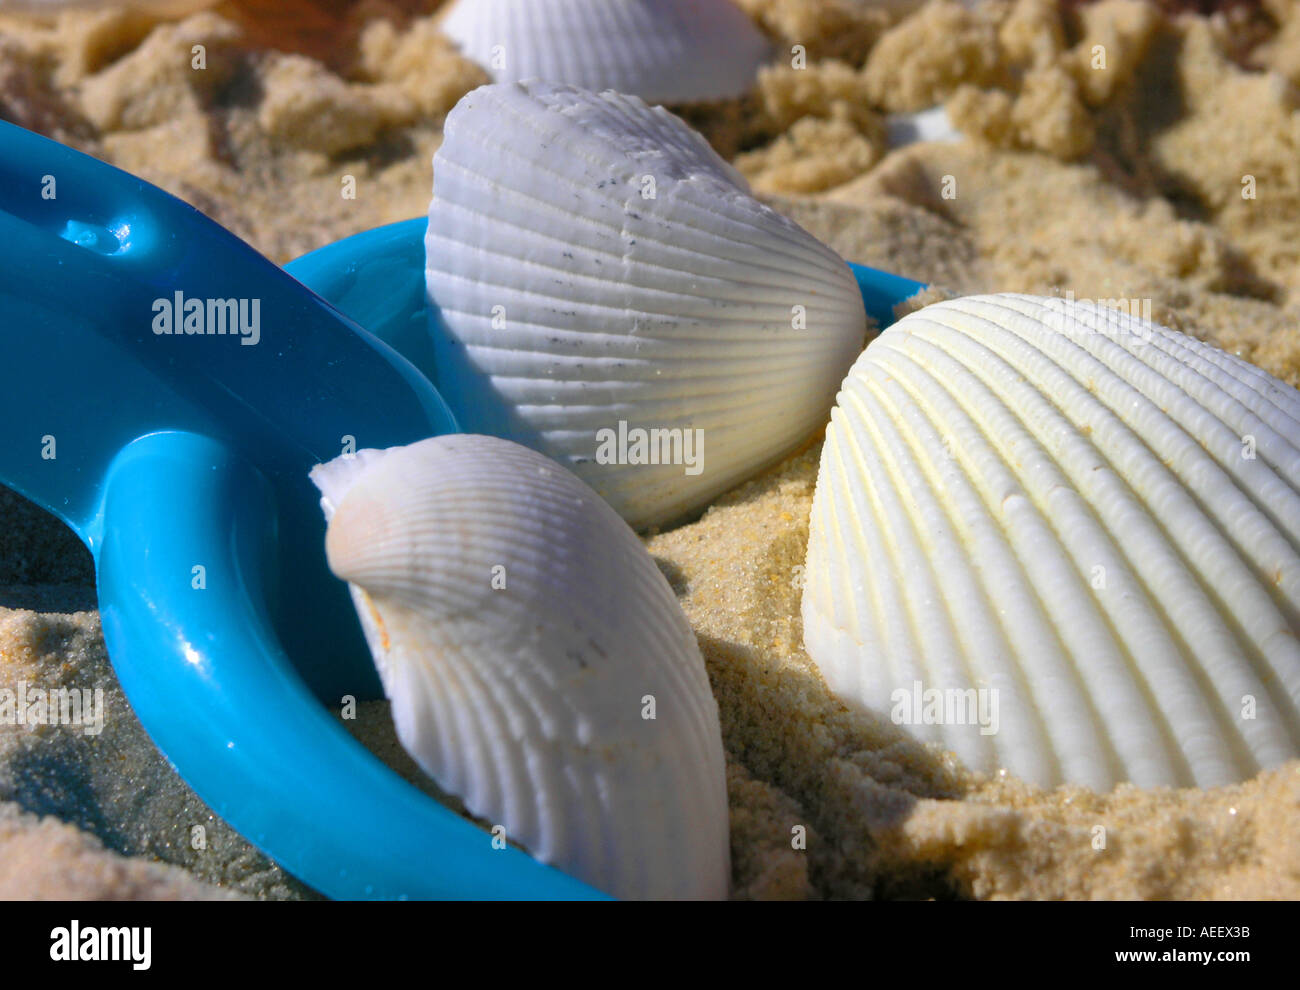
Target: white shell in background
[[518, 626], [1094, 515], [665, 51], [903, 129], [572, 302]]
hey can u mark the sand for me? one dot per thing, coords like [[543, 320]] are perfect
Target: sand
[[1167, 168]]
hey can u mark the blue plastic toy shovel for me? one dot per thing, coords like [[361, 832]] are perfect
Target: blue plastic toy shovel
[[169, 391]]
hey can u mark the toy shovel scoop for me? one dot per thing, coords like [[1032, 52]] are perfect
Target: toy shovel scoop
[[169, 391]]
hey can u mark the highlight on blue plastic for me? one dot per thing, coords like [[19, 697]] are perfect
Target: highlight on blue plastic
[[181, 461]]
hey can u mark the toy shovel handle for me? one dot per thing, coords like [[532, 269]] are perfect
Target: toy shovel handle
[[200, 662], [182, 461], [125, 311]]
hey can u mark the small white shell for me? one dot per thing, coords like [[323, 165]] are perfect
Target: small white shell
[[1094, 515], [665, 51], [518, 626], [924, 125], [596, 263]]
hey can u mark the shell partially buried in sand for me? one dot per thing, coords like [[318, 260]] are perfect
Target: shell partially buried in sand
[[1083, 526], [600, 275], [669, 51], [537, 661]]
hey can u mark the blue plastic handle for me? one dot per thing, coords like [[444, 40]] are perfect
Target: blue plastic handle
[[235, 718], [182, 463], [82, 275]]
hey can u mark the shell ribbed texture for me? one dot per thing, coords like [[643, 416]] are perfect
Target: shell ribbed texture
[[1095, 515], [566, 302], [526, 701]]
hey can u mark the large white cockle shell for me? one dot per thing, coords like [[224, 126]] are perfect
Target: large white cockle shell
[[1071, 525], [596, 269], [520, 629], [666, 51]]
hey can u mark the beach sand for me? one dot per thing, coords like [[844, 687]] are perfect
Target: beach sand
[[1169, 172]]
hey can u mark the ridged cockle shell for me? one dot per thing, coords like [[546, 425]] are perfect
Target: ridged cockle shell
[[605, 290], [538, 663], [1061, 539]]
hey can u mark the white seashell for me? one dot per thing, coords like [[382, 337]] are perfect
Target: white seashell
[[518, 626], [596, 264], [934, 124], [665, 51], [1093, 515]]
